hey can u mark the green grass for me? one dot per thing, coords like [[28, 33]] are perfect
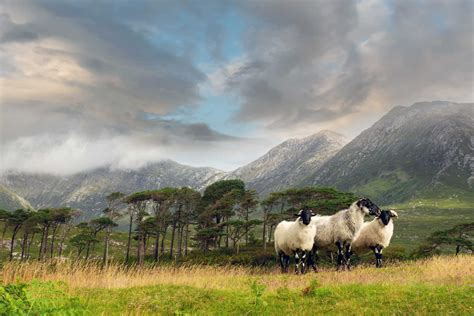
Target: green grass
[[54, 298], [414, 225]]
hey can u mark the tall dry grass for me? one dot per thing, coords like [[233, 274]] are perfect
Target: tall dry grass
[[457, 270]]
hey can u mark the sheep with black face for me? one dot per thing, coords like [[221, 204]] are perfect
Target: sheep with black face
[[295, 238], [375, 235], [338, 231]]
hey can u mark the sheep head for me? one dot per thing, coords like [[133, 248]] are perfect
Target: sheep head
[[305, 216], [386, 215], [368, 207]]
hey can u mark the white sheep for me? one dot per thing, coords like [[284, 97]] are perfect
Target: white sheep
[[375, 235], [339, 230], [295, 238]]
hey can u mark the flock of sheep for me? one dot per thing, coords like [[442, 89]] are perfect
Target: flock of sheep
[[345, 230]]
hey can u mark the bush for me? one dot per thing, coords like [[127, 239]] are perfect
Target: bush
[[13, 300]]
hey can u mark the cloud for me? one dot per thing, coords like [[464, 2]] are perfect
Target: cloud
[[312, 62], [154, 80]]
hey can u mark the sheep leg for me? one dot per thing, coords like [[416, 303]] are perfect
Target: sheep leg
[[284, 261], [313, 259], [348, 255], [303, 262], [340, 255], [297, 261], [378, 256], [287, 263]]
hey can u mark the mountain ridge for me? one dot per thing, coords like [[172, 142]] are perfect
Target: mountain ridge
[[410, 152]]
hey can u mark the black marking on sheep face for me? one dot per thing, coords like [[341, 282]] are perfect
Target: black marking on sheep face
[[374, 210], [305, 216], [385, 217]]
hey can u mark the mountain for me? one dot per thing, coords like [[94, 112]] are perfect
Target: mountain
[[426, 149], [11, 201], [87, 190], [290, 162]]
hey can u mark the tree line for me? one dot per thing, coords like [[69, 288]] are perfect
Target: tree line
[[170, 221]]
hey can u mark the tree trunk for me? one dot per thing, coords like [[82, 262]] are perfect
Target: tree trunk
[[45, 243], [246, 227], [227, 235], [61, 242], [5, 226], [172, 239], [186, 240], [180, 240], [156, 251], [29, 245], [162, 251], [40, 255], [270, 231], [264, 234], [52, 240], [127, 257], [105, 257], [15, 231], [23, 245], [141, 249]]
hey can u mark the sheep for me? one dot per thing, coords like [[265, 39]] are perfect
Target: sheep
[[339, 230], [375, 235], [295, 238]]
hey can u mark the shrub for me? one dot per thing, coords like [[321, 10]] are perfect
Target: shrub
[[13, 300]]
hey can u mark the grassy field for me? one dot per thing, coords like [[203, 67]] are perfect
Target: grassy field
[[440, 285]]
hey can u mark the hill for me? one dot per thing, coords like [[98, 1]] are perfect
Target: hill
[[87, 190], [11, 201], [288, 163], [425, 150]]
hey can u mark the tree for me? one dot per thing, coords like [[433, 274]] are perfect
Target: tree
[[4, 215], [267, 205], [459, 236], [238, 229], [30, 227], [81, 241], [99, 224], [16, 220], [138, 202], [58, 217], [247, 205], [44, 221], [214, 208], [112, 212], [190, 199], [163, 200]]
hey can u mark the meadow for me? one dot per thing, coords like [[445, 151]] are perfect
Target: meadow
[[439, 285]]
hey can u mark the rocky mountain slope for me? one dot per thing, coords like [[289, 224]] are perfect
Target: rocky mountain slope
[[11, 201], [426, 149], [86, 190], [288, 163], [422, 150]]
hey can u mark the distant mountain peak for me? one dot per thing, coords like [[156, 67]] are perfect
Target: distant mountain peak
[[288, 163], [409, 151]]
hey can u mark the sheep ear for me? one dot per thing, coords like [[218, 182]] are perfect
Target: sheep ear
[[312, 213], [393, 213]]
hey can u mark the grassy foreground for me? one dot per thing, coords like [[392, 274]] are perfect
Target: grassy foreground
[[440, 285]]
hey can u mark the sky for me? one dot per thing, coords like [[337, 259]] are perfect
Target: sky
[[87, 84]]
